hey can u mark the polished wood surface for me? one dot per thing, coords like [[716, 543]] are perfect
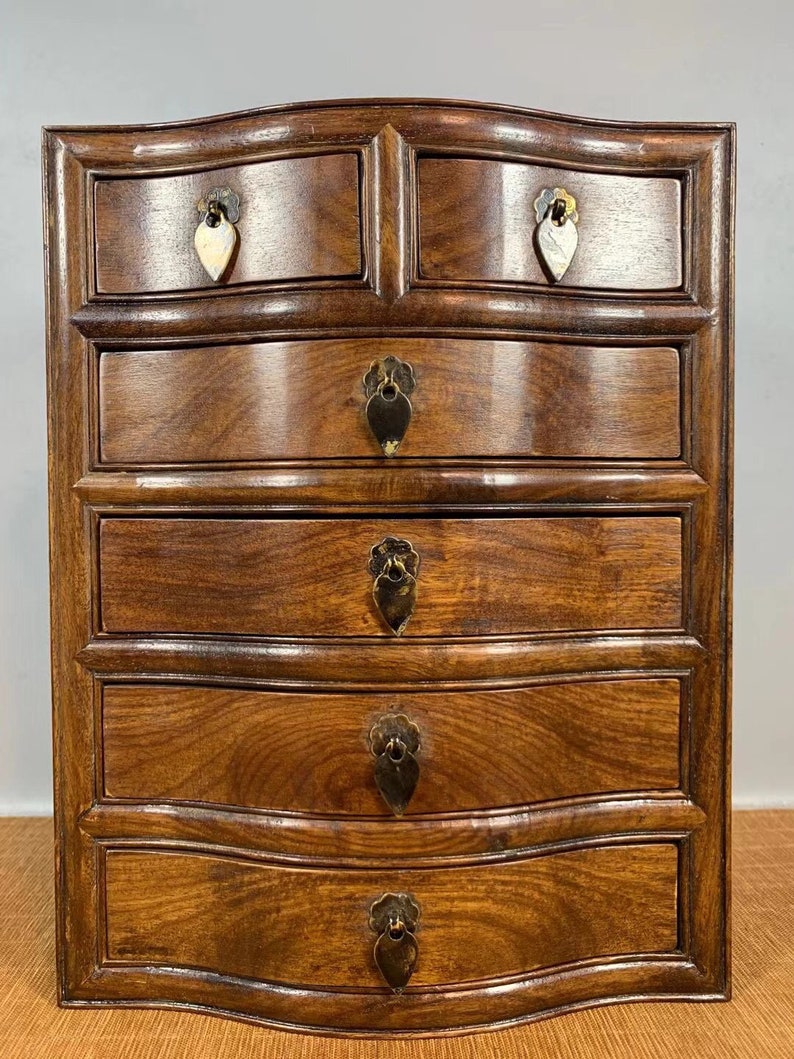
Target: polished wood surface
[[755, 1025], [299, 217], [413, 841], [584, 540], [304, 400], [309, 577], [629, 227], [311, 753], [303, 927], [410, 486]]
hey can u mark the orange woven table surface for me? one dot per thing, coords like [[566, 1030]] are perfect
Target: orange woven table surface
[[758, 1022]]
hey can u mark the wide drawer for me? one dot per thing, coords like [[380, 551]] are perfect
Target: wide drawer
[[311, 577], [306, 400], [321, 753], [299, 218], [303, 926], [477, 223]]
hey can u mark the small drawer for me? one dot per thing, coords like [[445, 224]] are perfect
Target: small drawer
[[477, 223], [328, 753], [310, 927], [378, 577], [299, 219], [307, 400]]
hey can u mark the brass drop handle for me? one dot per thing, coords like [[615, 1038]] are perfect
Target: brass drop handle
[[395, 741], [388, 385], [556, 237], [394, 566], [395, 917], [216, 236]]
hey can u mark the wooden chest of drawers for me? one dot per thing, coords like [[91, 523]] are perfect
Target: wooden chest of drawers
[[390, 573]]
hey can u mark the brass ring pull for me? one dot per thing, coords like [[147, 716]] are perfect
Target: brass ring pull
[[395, 741], [396, 928], [388, 384], [394, 566], [396, 748], [395, 570], [214, 215], [558, 211], [395, 917]]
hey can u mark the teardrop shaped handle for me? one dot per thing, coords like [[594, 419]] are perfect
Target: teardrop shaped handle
[[394, 740], [388, 384], [394, 566], [395, 917], [216, 238], [556, 237]]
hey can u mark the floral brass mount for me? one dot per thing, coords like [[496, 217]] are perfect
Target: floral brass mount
[[556, 236], [216, 237], [395, 917], [394, 566], [395, 741], [388, 385]]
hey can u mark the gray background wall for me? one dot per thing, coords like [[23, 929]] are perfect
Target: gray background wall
[[108, 62]]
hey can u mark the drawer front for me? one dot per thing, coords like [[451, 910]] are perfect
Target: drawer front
[[313, 752], [306, 400], [299, 219], [300, 926], [477, 222], [310, 577]]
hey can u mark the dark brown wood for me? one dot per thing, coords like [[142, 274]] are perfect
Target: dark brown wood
[[761, 1013], [566, 479], [304, 400], [530, 311], [411, 486], [309, 577], [629, 227], [414, 841], [304, 927], [299, 217], [368, 664], [440, 1012], [311, 753]]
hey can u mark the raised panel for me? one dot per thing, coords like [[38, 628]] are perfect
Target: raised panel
[[309, 577], [311, 753], [477, 222], [309, 926], [305, 400], [299, 219]]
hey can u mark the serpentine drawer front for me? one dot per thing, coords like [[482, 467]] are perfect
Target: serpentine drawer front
[[299, 218], [216, 404], [320, 752], [245, 919], [310, 577], [391, 502]]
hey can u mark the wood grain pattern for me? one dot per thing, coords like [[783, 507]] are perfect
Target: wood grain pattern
[[299, 218], [304, 927], [755, 1025], [411, 487], [390, 215], [443, 309], [478, 577], [304, 400], [629, 227], [363, 665], [310, 753], [411, 842], [366, 274]]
